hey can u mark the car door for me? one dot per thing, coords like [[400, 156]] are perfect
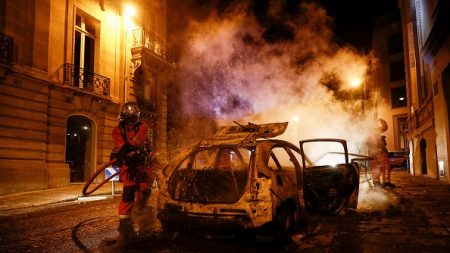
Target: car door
[[329, 180]]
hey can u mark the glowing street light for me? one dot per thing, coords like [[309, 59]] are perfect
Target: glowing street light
[[355, 82], [130, 11]]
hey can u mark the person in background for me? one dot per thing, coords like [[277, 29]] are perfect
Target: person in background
[[381, 170], [134, 160]]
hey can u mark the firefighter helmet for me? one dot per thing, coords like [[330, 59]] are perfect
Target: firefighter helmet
[[382, 125], [130, 113]]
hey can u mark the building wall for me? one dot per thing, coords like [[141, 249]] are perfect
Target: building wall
[[440, 101], [426, 30], [23, 135], [382, 81], [36, 101]]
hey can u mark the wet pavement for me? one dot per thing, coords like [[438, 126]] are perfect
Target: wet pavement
[[413, 217]]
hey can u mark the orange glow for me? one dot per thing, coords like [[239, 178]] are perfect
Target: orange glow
[[355, 82], [130, 11]]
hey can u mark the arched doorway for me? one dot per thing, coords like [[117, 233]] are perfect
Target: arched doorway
[[79, 149], [423, 156]]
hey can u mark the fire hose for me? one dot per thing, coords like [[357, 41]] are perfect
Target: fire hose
[[95, 175]]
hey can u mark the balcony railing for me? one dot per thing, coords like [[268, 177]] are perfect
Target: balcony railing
[[74, 76], [143, 38], [6, 49], [421, 116]]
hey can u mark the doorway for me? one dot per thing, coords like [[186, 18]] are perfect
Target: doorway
[[446, 88], [79, 150], [423, 156]]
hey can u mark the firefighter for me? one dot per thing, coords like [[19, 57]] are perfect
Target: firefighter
[[381, 170], [133, 155]]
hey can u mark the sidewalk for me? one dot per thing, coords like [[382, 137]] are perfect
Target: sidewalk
[[20, 202]]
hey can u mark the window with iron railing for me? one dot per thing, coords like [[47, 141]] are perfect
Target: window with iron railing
[[91, 81], [84, 48], [71, 75]]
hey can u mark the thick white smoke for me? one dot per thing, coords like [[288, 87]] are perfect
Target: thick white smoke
[[229, 71]]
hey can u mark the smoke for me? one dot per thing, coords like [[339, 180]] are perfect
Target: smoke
[[376, 200], [268, 61]]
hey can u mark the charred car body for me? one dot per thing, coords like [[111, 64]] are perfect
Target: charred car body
[[241, 179]]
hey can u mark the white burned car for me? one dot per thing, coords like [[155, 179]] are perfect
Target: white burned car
[[241, 178]]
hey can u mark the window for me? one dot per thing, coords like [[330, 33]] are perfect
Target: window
[[397, 70], [395, 43], [402, 126], [398, 97], [211, 175], [84, 49], [280, 160]]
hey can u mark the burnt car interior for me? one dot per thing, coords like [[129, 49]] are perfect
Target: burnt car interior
[[214, 175], [282, 172]]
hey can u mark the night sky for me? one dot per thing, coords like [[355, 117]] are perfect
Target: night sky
[[354, 19], [252, 58], [351, 20]]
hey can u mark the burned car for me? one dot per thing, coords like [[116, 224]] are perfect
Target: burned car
[[242, 178]]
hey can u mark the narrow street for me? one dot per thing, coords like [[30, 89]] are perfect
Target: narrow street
[[413, 217]]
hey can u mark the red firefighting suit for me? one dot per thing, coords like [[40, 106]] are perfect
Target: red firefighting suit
[[134, 172], [381, 170]]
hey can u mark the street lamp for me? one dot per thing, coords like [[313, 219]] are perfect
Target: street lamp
[[356, 83], [130, 11]]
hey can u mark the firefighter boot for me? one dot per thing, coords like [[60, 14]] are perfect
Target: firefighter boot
[[126, 231]]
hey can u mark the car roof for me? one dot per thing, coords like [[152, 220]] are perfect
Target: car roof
[[244, 135]]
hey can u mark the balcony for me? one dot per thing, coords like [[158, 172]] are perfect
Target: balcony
[[422, 116], [6, 49], [148, 40], [82, 79]]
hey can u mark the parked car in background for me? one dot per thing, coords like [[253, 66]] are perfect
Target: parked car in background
[[398, 159], [241, 178]]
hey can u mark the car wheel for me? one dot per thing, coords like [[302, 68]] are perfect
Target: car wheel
[[285, 220], [168, 231]]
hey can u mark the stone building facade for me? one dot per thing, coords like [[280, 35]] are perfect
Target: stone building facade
[[66, 66], [389, 79], [426, 30]]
